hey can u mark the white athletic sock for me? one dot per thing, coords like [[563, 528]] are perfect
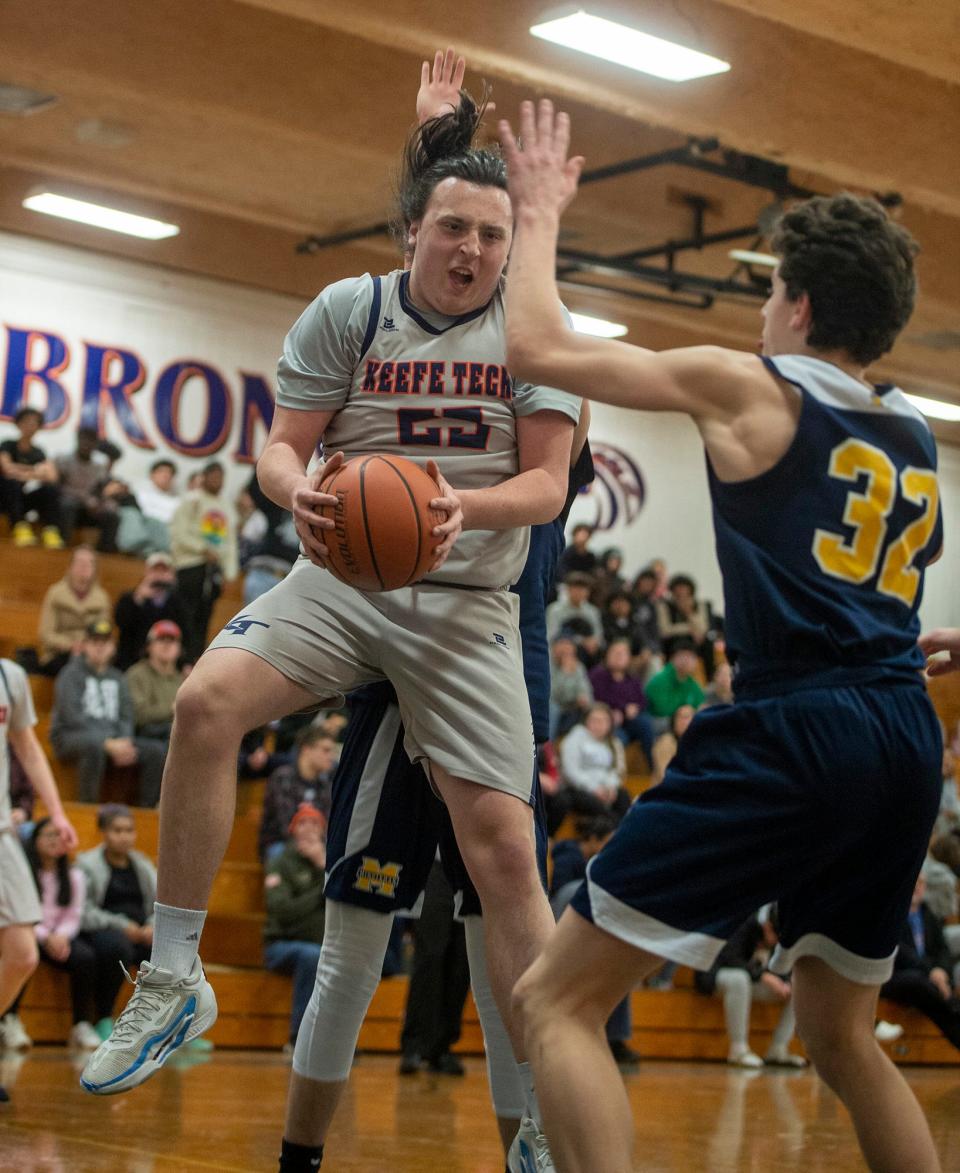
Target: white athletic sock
[[176, 938], [530, 1095]]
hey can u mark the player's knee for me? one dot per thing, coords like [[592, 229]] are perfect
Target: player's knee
[[830, 1040], [204, 705], [19, 952], [502, 865]]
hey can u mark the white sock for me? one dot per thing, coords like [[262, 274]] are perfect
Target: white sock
[[176, 938], [533, 1106]]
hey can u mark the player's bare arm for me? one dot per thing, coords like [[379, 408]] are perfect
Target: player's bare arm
[[941, 640], [37, 768], [720, 389], [282, 472]]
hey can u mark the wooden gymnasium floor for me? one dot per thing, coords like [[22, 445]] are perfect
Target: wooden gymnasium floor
[[224, 1113]]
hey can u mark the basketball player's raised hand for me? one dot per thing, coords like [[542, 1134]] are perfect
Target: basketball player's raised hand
[[305, 505], [440, 92], [539, 174], [449, 503], [941, 639]]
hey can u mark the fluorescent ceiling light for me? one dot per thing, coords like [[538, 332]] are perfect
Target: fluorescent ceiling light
[[629, 47], [599, 328], [99, 216], [748, 257], [936, 408]]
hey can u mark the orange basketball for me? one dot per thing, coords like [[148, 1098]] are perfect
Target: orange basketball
[[382, 538]]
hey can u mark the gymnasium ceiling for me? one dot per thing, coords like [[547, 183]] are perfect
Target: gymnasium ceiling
[[255, 123]]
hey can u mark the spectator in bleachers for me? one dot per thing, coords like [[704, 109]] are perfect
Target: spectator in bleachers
[[720, 689], [615, 686], [83, 476], [293, 892], [575, 615], [118, 910], [740, 975], [645, 608], [665, 747], [92, 721], [570, 691], [19, 906], [675, 684], [146, 513], [272, 556], [154, 598], [570, 858], [921, 975], [308, 781], [62, 889], [591, 760], [607, 577], [576, 557], [682, 615], [69, 607], [28, 483], [948, 817], [21, 797], [154, 681], [203, 542], [620, 623]]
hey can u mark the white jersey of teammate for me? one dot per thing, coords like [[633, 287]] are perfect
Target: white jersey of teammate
[[422, 385], [16, 712]]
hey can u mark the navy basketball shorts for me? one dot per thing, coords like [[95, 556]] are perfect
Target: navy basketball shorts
[[822, 800], [386, 823]]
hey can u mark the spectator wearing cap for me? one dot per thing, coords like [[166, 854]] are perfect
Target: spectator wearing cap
[[203, 542], [83, 475], [293, 891], [154, 681], [154, 598], [93, 723], [117, 918], [69, 607], [675, 684], [28, 483], [607, 579]]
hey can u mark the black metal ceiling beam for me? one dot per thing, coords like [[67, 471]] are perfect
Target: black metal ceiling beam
[[691, 242], [674, 279]]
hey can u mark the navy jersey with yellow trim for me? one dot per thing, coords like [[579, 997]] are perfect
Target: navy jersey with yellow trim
[[823, 555]]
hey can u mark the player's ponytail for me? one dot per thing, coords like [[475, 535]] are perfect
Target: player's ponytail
[[442, 148]]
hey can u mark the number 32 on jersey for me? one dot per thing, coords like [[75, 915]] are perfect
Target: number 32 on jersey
[[866, 513]]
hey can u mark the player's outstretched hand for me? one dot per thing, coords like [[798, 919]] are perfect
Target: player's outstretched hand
[[68, 835], [449, 503], [440, 92], [539, 173], [306, 502], [941, 639]]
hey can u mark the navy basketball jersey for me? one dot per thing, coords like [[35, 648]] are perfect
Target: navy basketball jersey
[[823, 555]]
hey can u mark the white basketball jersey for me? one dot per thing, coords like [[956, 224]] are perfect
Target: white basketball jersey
[[425, 387]]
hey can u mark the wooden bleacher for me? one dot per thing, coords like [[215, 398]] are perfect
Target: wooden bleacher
[[254, 1004]]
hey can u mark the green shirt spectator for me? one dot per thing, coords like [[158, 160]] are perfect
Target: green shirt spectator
[[675, 685]]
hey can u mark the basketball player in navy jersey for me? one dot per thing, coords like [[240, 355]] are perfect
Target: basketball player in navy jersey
[[826, 513], [413, 363]]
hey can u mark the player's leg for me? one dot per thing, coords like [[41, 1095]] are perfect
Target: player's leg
[[18, 960], [564, 1000], [835, 1020], [495, 834]]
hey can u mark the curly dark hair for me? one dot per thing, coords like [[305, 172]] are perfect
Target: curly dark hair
[[442, 149], [856, 265]]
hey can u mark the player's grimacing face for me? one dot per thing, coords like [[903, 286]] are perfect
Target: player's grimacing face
[[460, 247]]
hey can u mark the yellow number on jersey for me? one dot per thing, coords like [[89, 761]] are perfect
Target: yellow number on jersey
[[866, 514]]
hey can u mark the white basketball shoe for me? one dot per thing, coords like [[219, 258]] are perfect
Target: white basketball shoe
[[163, 1013], [529, 1152]]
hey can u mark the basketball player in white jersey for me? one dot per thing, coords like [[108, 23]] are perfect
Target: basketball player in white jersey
[[411, 363]]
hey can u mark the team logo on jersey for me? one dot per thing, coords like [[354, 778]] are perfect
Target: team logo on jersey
[[374, 876], [387, 324], [618, 493], [499, 640], [242, 624]]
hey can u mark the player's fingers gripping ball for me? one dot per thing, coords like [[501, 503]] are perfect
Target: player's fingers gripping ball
[[382, 537]]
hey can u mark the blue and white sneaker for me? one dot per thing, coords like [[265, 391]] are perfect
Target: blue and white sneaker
[[529, 1152], [163, 1013]]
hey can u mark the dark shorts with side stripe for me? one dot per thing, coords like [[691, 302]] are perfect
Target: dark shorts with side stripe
[[386, 823], [822, 800]]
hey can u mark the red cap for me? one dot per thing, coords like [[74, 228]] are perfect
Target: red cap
[[164, 629], [307, 810]]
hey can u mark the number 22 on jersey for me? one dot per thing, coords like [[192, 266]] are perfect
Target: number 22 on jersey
[[866, 513]]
